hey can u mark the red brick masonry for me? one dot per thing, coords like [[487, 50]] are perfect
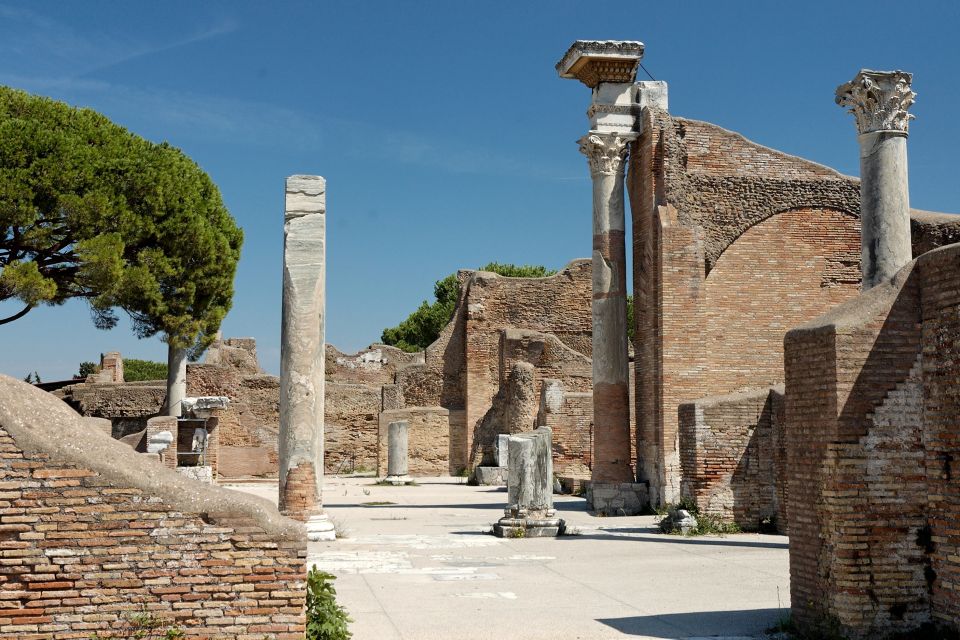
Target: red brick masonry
[[84, 547]]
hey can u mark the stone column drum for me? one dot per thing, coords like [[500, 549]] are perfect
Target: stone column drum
[[302, 355], [397, 452], [879, 101]]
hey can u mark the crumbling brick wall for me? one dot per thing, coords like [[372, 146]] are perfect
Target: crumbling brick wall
[[728, 456], [569, 414], [871, 406], [558, 305], [92, 534]]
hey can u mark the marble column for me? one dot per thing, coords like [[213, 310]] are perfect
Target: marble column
[[302, 355], [176, 380], [606, 153], [529, 512], [879, 101], [397, 451]]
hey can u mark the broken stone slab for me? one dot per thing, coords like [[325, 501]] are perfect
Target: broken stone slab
[[678, 519], [617, 498], [491, 476], [203, 406], [500, 453], [159, 441]]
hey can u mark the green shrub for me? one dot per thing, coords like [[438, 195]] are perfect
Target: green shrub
[[326, 620]]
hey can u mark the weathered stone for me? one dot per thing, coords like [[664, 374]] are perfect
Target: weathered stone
[[302, 354], [529, 511], [397, 469], [176, 380], [491, 476], [203, 406], [159, 442], [502, 451], [617, 498]]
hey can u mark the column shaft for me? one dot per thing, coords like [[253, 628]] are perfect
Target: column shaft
[[611, 403], [302, 347], [884, 206], [176, 379]]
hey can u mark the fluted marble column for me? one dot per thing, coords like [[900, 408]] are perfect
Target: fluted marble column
[[606, 154], [879, 101], [302, 355]]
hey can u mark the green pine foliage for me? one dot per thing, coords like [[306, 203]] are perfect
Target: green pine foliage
[[424, 325], [135, 370], [89, 210], [326, 620]]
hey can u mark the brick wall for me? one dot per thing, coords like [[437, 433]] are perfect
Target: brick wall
[[733, 244], [91, 533], [727, 456], [569, 414], [428, 441], [867, 435], [557, 305]]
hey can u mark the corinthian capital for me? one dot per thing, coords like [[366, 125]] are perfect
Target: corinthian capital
[[879, 100], [605, 151]]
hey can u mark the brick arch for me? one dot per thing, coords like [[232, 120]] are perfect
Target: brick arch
[[780, 273], [719, 240]]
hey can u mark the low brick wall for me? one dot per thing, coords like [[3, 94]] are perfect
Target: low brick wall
[[728, 456], [93, 534], [428, 440], [872, 441]]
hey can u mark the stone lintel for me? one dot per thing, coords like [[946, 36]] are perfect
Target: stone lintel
[[593, 62], [879, 100]]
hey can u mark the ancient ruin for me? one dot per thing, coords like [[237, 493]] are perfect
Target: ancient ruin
[[792, 370]]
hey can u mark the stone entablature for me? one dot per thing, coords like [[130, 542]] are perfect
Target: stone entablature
[[595, 61]]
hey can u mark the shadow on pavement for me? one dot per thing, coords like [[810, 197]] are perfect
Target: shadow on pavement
[[649, 534], [700, 623]]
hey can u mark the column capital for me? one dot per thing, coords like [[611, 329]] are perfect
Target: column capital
[[605, 151], [879, 100]]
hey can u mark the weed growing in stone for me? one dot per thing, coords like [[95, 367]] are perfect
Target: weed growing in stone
[[377, 503], [144, 625], [326, 620]]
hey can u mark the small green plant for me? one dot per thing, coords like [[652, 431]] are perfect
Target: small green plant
[[707, 525], [377, 503], [144, 625], [326, 620], [518, 532]]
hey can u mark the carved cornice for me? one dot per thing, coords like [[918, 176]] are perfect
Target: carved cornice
[[605, 152], [595, 61], [879, 100], [619, 109]]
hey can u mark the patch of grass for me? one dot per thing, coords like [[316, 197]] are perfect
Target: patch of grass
[[377, 503], [385, 483]]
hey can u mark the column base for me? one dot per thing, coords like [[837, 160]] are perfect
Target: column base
[[618, 498], [319, 527], [517, 523], [398, 480]]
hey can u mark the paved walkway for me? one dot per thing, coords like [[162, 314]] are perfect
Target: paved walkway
[[422, 567]]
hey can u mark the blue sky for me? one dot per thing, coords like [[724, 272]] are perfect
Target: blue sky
[[446, 138]]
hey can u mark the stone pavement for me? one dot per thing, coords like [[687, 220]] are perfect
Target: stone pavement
[[424, 567]]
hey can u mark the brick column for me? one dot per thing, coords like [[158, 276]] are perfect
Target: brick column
[[302, 355]]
